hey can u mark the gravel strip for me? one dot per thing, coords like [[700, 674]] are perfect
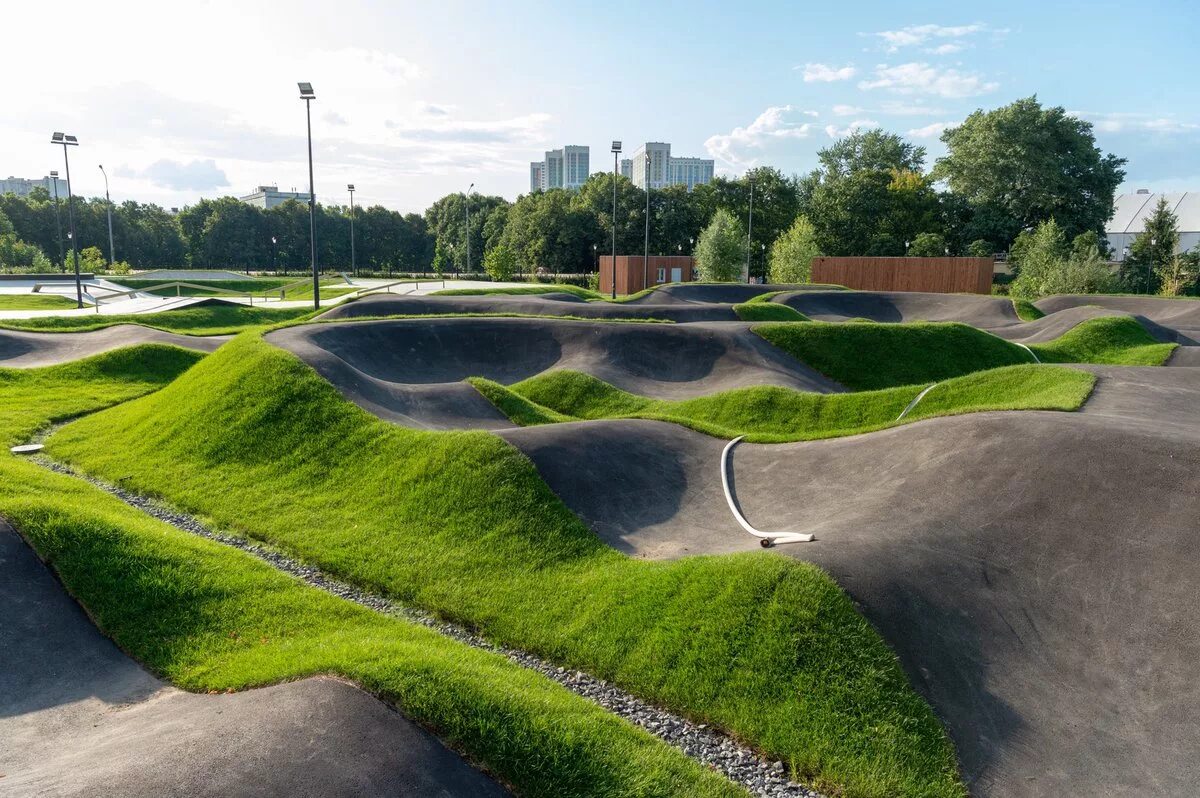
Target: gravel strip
[[762, 777]]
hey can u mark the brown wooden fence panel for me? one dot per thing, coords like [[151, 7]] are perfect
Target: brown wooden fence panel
[[932, 275]]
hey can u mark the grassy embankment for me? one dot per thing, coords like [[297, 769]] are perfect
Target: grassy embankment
[[1026, 310], [211, 618], [214, 320], [767, 311], [769, 414], [1112, 340], [301, 288], [35, 302], [461, 524]]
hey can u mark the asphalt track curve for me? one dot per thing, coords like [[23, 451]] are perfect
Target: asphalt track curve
[[532, 305], [1037, 573], [718, 293], [79, 718], [21, 349], [1169, 319], [411, 371], [903, 306]]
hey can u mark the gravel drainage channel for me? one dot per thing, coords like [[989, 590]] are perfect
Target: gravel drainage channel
[[762, 777]]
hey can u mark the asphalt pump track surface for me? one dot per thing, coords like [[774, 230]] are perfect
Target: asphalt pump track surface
[[21, 349], [80, 718]]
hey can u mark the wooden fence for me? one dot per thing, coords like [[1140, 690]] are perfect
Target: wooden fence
[[933, 275]]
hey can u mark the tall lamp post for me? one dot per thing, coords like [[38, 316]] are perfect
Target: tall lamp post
[[112, 252], [467, 208], [616, 151], [306, 94], [1149, 264], [646, 256], [353, 268], [749, 226], [70, 141], [62, 259]]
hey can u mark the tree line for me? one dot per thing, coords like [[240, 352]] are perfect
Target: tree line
[[1006, 172]]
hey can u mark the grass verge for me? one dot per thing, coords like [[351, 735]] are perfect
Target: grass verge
[[769, 414], [1113, 340], [1026, 310], [211, 320], [35, 302], [767, 311], [461, 524]]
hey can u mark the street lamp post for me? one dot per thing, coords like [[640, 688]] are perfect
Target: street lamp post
[[646, 256], [353, 266], [764, 260], [596, 257], [749, 227], [62, 259], [1149, 260], [274, 266], [112, 253], [306, 94], [467, 208], [616, 151], [71, 141]]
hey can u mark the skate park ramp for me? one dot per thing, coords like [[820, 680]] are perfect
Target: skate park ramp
[[903, 306], [1037, 573], [411, 372], [1169, 319], [531, 304], [21, 349], [79, 718]]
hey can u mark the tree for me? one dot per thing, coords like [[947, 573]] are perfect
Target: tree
[[793, 252], [1179, 276], [500, 263], [1022, 165], [439, 260], [1047, 265], [1152, 251], [927, 245], [870, 150], [776, 203], [979, 249], [721, 250], [595, 197]]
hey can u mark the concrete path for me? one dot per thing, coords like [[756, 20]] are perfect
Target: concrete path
[[79, 718], [33, 349]]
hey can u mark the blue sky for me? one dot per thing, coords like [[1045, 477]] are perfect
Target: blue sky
[[419, 99]]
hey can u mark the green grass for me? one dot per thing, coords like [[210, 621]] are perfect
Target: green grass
[[261, 286], [1113, 340], [770, 414], [460, 523], [210, 618], [539, 288], [767, 311], [35, 302], [870, 355], [1026, 310], [213, 320]]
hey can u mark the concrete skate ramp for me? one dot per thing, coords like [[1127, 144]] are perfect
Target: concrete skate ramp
[[1169, 319], [1038, 574], [79, 718], [904, 306], [411, 371], [533, 305], [21, 349]]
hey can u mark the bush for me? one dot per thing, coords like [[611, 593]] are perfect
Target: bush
[[1046, 265], [793, 252], [17, 256], [500, 263], [979, 249], [928, 245], [721, 249]]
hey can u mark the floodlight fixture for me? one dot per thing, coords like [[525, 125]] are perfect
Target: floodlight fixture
[[350, 187], [306, 91], [616, 146], [65, 140]]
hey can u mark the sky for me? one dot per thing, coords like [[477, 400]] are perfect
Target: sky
[[419, 99]]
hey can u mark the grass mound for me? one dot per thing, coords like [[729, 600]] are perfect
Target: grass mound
[[35, 302], [211, 320], [301, 288], [210, 618], [1026, 310], [1113, 340], [767, 311], [871, 355], [769, 414], [461, 524], [540, 288], [33, 398]]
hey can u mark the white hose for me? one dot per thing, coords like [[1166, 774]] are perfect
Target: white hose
[[768, 538], [914, 402]]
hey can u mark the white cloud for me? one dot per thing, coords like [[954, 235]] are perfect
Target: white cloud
[[180, 176], [824, 73], [945, 49], [930, 131], [775, 124], [921, 78], [898, 108], [846, 110], [917, 35], [1121, 122], [834, 132]]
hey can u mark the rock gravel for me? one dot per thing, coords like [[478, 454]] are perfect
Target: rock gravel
[[760, 776]]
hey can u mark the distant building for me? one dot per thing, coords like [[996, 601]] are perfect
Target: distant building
[[665, 170], [1131, 211], [627, 168], [22, 186], [564, 168], [270, 196]]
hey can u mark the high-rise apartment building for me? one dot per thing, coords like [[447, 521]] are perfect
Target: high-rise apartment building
[[627, 168], [664, 170], [690, 172], [565, 168], [21, 186]]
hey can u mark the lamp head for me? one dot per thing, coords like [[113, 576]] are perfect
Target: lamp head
[[306, 91]]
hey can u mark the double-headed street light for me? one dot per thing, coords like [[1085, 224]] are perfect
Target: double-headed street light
[[350, 188], [616, 151], [112, 253], [62, 259], [70, 141], [306, 94]]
